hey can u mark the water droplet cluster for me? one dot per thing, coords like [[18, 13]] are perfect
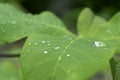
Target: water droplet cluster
[[99, 44]]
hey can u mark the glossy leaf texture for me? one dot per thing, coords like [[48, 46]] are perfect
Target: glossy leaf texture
[[15, 25], [8, 71], [88, 23], [54, 57]]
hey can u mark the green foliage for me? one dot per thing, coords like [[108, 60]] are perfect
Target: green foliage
[[51, 52], [115, 67], [8, 71]]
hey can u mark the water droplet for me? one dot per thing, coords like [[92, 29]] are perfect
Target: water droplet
[[36, 43], [29, 44], [45, 52], [57, 47], [48, 44], [99, 44], [59, 58], [43, 42], [68, 55]]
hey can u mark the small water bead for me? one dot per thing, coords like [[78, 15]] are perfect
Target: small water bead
[[99, 44], [57, 47], [45, 52], [59, 58], [36, 43], [68, 55], [43, 42], [48, 43]]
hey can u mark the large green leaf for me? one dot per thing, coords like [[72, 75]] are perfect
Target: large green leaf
[[55, 57], [15, 25], [88, 23]]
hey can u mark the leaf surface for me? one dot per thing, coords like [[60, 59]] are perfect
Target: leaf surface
[[88, 23], [16, 25], [111, 31], [55, 57]]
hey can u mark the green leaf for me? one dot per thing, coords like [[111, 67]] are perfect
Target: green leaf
[[16, 25], [8, 71], [88, 23], [111, 31], [55, 57]]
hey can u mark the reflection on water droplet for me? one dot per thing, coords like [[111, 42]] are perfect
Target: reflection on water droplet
[[36, 43], [99, 44], [45, 52], [68, 55], [59, 58], [43, 42], [48, 43], [57, 47]]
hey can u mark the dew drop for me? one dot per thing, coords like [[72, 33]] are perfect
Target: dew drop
[[36, 43], [48, 44], [68, 55], [43, 42], [99, 44], [59, 58], [45, 52], [57, 47]]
